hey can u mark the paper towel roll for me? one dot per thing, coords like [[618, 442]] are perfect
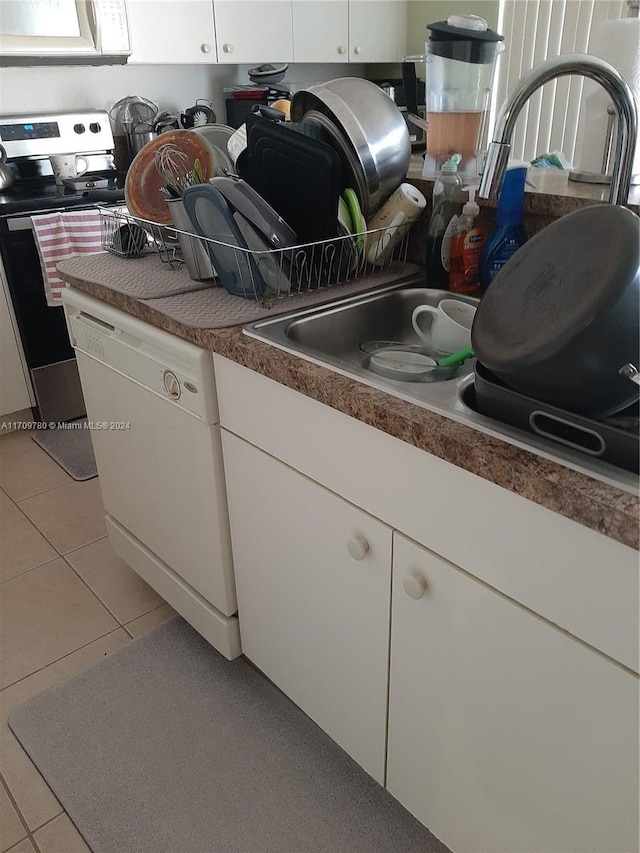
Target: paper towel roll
[[618, 42]]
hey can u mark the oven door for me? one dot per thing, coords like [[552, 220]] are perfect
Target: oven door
[[43, 330]]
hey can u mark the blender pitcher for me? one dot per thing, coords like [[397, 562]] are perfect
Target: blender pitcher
[[460, 58]]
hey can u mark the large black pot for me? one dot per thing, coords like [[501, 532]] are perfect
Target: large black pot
[[563, 315]]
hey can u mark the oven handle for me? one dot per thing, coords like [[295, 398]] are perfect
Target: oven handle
[[20, 223]]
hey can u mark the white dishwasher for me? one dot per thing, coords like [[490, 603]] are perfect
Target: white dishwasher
[[153, 411]]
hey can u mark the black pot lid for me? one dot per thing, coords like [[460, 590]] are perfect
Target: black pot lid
[[554, 288]]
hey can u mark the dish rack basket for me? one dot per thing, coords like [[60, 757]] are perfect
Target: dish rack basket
[[258, 273]]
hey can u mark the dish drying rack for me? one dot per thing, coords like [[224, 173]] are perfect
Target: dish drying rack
[[256, 273]]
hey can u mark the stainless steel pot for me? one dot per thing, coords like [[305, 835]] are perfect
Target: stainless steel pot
[[7, 177], [562, 317], [374, 128]]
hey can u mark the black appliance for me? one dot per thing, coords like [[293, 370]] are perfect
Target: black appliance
[[29, 140]]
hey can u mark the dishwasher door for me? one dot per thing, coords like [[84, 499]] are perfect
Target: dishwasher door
[[152, 407]]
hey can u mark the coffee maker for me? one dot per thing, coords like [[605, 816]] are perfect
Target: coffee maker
[[460, 61]]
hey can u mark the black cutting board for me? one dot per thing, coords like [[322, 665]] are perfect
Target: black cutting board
[[297, 174]]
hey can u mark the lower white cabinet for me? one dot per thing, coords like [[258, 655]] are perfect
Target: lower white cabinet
[[505, 734], [313, 578]]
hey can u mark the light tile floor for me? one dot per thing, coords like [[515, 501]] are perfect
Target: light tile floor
[[66, 600]]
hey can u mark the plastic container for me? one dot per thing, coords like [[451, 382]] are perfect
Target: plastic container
[[460, 58], [467, 244], [445, 210], [508, 233]]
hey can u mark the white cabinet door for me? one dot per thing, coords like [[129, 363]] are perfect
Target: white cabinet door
[[254, 31], [163, 32], [505, 733], [14, 391], [313, 578], [320, 31], [377, 30]]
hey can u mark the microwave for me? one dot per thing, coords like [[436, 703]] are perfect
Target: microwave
[[90, 31]]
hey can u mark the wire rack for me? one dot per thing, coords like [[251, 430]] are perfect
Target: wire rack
[[258, 273]]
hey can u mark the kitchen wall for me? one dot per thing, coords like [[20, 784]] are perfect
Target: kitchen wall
[[172, 87]]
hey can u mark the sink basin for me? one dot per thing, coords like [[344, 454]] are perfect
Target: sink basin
[[332, 335]]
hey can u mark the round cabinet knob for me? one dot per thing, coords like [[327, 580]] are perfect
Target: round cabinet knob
[[357, 49], [205, 48], [227, 48], [171, 385], [358, 547], [342, 50], [414, 585]]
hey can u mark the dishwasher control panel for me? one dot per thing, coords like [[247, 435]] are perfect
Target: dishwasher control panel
[[162, 363]]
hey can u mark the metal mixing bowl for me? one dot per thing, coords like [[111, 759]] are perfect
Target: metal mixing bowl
[[374, 128]]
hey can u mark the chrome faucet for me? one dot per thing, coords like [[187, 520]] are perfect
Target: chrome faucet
[[559, 66]]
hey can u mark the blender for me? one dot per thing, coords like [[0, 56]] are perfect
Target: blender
[[460, 61]]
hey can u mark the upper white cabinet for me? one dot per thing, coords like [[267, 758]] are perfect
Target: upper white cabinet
[[165, 33], [505, 733], [254, 31], [313, 578], [377, 30], [321, 31]]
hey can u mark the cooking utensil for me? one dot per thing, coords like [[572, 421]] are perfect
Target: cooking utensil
[[456, 357], [7, 176], [373, 126], [351, 174], [144, 184], [297, 175], [614, 440], [230, 257], [563, 314], [194, 253], [243, 198], [631, 372], [274, 267]]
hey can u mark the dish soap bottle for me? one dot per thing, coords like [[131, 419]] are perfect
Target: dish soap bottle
[[445, 209], [508, 233], [467, 244]]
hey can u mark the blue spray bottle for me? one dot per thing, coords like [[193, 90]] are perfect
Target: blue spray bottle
[[508, 233]]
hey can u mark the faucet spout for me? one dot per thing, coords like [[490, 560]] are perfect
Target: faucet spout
[[560, 66]]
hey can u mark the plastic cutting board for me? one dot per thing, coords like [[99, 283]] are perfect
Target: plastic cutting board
[[299, 176]]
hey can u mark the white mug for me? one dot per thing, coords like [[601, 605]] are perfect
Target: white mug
[[66, 166], [450, 327]]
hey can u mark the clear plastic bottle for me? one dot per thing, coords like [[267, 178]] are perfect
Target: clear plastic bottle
[[466, 250], [508, 233], [445, 210]]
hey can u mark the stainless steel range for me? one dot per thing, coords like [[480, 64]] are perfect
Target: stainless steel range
[[29, 140]]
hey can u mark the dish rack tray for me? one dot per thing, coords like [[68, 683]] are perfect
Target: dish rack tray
[[256, 274]]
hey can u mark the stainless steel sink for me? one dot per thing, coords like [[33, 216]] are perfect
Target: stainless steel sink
[[332, 335]]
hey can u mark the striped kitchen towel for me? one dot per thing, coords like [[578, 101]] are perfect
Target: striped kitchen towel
[[58, 236]]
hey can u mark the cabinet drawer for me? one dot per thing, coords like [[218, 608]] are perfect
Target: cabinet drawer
[[576, 578]]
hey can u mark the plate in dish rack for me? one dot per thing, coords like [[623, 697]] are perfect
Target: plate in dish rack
[[142, 188]]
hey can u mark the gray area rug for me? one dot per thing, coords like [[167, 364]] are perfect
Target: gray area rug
[[71, 448], [167, 747]]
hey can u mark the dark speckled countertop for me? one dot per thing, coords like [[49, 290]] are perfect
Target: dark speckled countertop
[[601, 506]]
